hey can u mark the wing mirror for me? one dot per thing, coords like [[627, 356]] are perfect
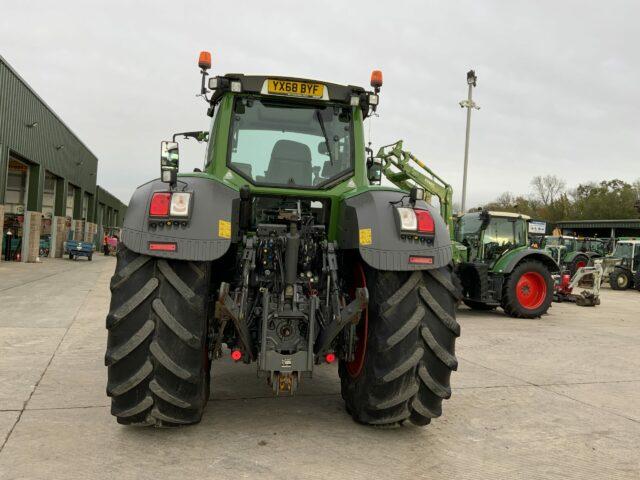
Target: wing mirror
[[169, 162], [374, 167]]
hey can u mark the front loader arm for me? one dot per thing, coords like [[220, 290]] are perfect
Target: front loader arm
[[397, 168]]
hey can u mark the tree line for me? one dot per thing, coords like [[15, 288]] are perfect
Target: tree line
[[552, 201]]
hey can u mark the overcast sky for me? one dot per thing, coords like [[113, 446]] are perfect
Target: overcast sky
[[558, 81]]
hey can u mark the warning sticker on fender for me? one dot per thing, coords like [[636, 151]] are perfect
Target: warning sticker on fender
[[224, 229], [365, 236]]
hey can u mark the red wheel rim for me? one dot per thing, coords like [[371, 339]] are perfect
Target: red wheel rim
[[581, 264], [531, 290], [354, 367]]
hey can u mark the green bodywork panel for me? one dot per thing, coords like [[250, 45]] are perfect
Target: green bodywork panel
[[500, 266], [569, 257]]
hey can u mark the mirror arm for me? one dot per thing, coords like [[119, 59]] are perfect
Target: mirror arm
[[200, 136]]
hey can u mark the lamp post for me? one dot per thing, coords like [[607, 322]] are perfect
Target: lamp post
[[469, 105]]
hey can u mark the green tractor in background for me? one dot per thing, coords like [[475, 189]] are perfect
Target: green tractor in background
[[500, 268], [622, 267], [572, 253], [288, 252]]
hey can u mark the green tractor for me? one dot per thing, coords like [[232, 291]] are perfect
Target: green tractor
[[500, 269], [572, 253], [621, 268], [285, 252]]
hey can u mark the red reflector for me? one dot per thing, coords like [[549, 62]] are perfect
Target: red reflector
[[163, 247], [160, 202], [236, 355], [330, 357], [421, 260], [425, 221]]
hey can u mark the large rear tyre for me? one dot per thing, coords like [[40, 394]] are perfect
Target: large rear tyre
[[406, 348], [157, 359], [528, 290], [620, 279]]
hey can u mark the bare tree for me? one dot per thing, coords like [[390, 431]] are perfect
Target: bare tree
[[548, 188], [505, 200]]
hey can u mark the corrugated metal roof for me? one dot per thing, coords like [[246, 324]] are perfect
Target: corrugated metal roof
[[45, 104], [51, 144], [607, 223]]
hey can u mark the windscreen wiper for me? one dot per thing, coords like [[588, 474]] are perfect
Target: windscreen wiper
[[324, 133]]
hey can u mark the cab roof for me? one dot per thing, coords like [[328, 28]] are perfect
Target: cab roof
[[500, 214], [509, 215], [257, 84]]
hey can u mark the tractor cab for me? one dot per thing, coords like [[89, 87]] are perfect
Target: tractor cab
[[489, 235], [621, 267], [572, 253], [293, 146], [558, 246], [283, 134], [594, 245]]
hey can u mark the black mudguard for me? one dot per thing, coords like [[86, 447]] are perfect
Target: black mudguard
[[383, 248], [205, 237]]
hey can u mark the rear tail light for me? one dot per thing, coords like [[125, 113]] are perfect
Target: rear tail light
[[160, 204], [180, 204], [165, 204], [425, 221], [408, 220], [415, 220]]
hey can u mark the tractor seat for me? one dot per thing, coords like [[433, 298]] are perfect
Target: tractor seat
[[290, 164]]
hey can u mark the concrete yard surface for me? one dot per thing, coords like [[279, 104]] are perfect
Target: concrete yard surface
[[557, 397]]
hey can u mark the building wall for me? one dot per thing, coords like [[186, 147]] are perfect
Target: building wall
[[106, 202]]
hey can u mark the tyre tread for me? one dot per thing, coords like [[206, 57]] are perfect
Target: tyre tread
[[410, 350], [157, 375]]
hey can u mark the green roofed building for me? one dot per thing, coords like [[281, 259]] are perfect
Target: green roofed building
[[601, 228], [48, 190]]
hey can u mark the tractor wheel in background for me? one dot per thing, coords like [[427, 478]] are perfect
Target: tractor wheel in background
[[578, 262], [620, 279], [157, 359], [475, 305], [406, 347], [90, 257], [528, 290], [636, 280]]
